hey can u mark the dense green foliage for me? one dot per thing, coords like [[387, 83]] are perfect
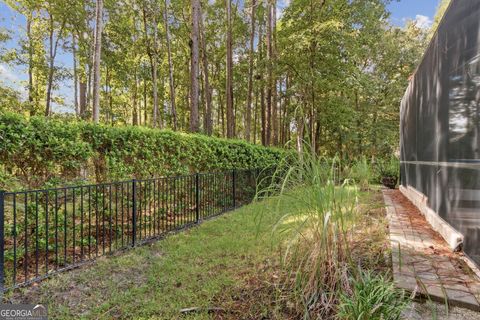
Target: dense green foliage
[[328, 72], [39, 151]]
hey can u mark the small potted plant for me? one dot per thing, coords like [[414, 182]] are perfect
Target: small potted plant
[[389, 171]]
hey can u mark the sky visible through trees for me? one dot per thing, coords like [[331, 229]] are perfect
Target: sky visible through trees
[[13, 75], [274, 72]]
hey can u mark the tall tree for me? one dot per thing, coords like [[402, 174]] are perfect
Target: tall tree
[[270, 84], [30, 64], [31, 89], [194, 69], [150, 10], [208, 124], [96, 60], [263, 109], [154, 69], [248, 121], [229, 69], [273, 74], [75, 74], [171, 80], [85, 48], [53, 42]]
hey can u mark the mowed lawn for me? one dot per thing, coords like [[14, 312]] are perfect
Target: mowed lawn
[[201, 267]]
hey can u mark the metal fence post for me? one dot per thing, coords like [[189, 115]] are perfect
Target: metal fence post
[[233, 187], [197, 197], [2, 242], [134, 211]]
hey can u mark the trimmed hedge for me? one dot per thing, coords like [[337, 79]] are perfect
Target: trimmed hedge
[[42, 152]]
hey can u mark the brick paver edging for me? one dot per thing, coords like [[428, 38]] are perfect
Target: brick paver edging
[[422, 261]]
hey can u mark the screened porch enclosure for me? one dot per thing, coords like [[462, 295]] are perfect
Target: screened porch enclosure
[[440, 124]]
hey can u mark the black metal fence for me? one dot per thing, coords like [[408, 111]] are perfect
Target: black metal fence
[[43, 232]]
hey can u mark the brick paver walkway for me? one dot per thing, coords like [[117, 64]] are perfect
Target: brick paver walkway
[[422, 261]]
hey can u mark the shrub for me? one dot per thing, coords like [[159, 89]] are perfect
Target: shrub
[[372, 298], [50, 151], [38, 150], [388, 172]]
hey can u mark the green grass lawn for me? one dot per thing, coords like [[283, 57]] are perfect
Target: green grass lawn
[[200, 267]]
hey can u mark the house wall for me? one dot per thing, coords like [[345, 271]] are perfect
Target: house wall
[[440, 125]]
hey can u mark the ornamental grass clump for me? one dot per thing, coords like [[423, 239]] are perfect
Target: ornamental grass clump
[[362, 173], [322, 211]]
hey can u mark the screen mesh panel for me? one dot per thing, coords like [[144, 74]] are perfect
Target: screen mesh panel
[[440, 124]]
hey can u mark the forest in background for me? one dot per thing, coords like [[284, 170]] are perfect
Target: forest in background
[[331, 73]]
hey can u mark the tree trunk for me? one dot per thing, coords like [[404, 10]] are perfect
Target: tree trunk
[[51, 59], [202, 103], [300, 128], [135, 114], [83, 98], [48, 108], [250, 72], [263, 115], [318, 130], [270, 74], [145, 103], [255, 117], [89, 83], [280, 111], [170, 67], [105, 93], [222, 114], [273, 74], [194, 70], [96, 60], [229, 67], [313, 121], [152, 55], [359, 124], [30, 66], [108, 91], [75, 74], [156, 118], [208, 125], [85, 77], [286, 106]]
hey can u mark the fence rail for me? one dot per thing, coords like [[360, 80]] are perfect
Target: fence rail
[[46, 231]]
